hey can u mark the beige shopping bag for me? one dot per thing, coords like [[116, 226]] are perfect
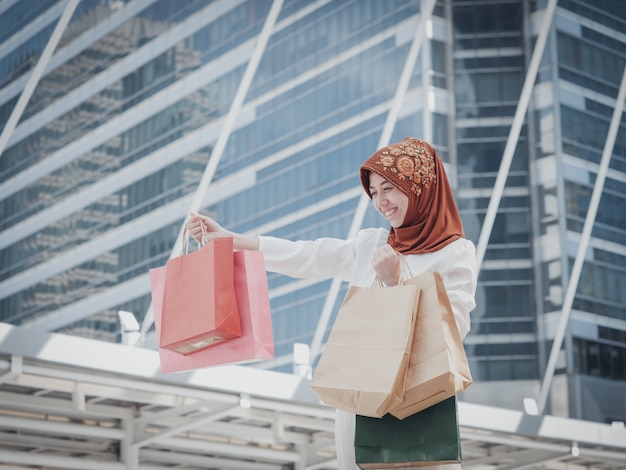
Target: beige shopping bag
[[438, 367], [363, 365]]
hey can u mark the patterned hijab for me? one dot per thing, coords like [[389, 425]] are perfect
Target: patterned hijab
[[432, 220]]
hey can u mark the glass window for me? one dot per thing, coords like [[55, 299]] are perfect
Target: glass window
[[600, 359], [590, 65], [607, 12]]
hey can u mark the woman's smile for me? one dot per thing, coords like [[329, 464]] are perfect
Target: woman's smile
[[388, 200], [389, 212]]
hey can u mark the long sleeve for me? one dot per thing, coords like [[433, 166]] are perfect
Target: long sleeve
[[348, 260], [457, 265], [321, 258], [459, 274]]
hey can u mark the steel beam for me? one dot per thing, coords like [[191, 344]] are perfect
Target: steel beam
[[220, 144], [390, 123], [516, 127], [36, 74], [582, 247], [56, 461]]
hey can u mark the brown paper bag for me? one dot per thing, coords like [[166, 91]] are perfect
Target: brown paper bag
[[364, 363], [438, 367]]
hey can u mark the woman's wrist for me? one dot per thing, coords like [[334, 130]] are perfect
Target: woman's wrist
[[245, 242]]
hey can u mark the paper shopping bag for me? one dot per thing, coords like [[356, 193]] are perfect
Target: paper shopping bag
[[256, 341], [363, 365], [438, 367], [430, 437], [199, 304]]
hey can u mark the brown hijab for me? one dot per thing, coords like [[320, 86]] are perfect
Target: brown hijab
[[432, 220]]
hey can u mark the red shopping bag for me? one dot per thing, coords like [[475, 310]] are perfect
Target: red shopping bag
[[199, 305], [256, 341]]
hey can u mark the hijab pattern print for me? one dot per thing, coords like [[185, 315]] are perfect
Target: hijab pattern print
[[409, 160], [432, 220]]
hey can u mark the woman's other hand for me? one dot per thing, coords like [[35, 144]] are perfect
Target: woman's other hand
[[386, 265]]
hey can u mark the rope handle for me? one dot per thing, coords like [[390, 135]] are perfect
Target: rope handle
[[405, 272], [204, 240]]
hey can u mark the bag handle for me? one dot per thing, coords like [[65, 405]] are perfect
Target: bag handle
[[186, 236], [405, 272]]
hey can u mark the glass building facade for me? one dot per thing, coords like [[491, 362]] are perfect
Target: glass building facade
[[106, 159]]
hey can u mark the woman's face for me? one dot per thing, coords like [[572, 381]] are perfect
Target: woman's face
[[388, 200]]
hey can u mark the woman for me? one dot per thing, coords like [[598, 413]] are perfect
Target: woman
[[409, 188]]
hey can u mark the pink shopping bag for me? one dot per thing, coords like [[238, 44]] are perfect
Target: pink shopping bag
[[199, 306], [256, 341]]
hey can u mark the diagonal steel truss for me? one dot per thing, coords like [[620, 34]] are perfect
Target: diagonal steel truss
[[392, 117], [224, 135], [36, 74], [583, 245]]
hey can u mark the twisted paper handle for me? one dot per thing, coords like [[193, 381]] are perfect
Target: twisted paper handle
[[186, 236]]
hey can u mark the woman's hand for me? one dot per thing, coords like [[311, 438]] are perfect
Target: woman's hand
[[386, 265], [204, 229]]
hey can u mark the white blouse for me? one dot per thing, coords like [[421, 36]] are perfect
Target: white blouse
[[350, 260]]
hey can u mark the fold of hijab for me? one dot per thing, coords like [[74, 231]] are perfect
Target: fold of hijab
[[432, 220]]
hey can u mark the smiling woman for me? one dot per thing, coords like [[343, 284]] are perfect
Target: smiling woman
[[388, 200], [408, 186], [413, 167]]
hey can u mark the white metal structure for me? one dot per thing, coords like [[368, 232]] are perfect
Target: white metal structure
[[225, 131], [385, 137], [73, 403], [36, 74], [584, 243], [514, 133]]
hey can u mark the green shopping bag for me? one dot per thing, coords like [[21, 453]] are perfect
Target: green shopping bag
[[430, 437]]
